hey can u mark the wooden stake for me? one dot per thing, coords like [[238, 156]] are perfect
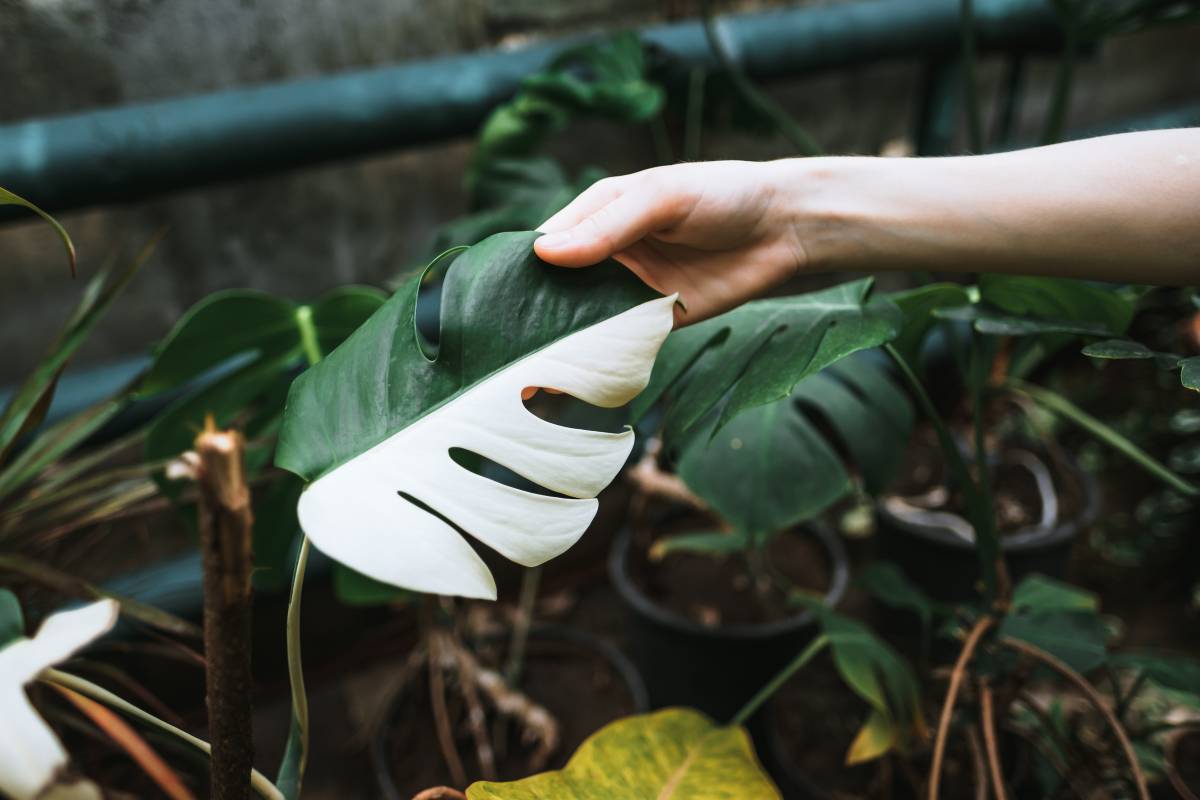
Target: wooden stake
[[226, 524]]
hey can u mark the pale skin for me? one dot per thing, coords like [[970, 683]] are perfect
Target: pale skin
[[1122, 208]]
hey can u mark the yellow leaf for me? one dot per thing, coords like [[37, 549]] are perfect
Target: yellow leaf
[[674, 754], [875, 738]]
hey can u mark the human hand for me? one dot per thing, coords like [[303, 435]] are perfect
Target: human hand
[[718, 233]]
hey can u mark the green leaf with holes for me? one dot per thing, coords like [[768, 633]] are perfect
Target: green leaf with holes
[[676, 753]]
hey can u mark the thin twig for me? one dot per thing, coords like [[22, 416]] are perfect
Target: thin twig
[[530, 578], [441, 718], [956, 677], [978, 766], [988, 723], [476, 719], [1096, 700]]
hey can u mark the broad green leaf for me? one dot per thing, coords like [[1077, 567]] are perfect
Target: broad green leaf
[[674, 754], [371, 425], [1108, 307], [1078, 638], [995, 324], [1189, 373], [28, 406], [12, 621], [1175, 672], [1040, 593], [253, 341], [774, 448], [7, 198], [757, 353], [1117, 349], [917, 306]]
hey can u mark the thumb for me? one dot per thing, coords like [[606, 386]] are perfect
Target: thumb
[[604, 233]]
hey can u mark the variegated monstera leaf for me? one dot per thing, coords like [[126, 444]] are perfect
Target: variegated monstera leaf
[[32, 759], [372, 426]]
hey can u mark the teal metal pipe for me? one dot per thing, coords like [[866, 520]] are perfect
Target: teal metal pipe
[[135, 151]]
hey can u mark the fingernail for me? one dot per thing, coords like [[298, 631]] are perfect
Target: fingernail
[[555, 240]]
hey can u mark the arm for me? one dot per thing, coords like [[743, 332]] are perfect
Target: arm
[[1116, 208]]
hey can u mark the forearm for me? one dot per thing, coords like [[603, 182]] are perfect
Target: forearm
[[1118, 208]]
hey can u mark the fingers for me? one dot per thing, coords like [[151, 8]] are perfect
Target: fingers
[[589, 201], [608, 229]]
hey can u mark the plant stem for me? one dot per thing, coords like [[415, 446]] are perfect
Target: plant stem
[[530, 579], [988, 723], [764, 694], [1094, 698], [752, 95], [978, 511], [987, 541], [1064, 408], [956, 678], [970, 86], [308, 334], [258, 781], [225, 523]]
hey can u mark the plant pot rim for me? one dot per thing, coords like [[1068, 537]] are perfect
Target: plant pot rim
[[1022, 541], [839, 579], [609, 652]]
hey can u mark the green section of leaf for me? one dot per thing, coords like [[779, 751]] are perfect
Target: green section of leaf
[[12, 621], [499, 303], [917, 306], [275, 532], [1076, 637], [54, 443], [1106, 307], [7, 198], [1117, 349], [774, 448], [1178, 673], [355, 589], [889, 584], [757, 353], [1189, 373], [1040, 593], [877, 736], [676, 753], [27, 407], [994, 324]]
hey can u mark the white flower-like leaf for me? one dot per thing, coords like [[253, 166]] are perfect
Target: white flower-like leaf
[[376, 421], [32, 759]]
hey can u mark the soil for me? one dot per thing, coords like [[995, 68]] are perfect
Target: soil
[[581, 689], [717, 590], [1018, 504]]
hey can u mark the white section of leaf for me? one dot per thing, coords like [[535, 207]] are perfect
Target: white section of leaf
[[356, 514], [31, 757]]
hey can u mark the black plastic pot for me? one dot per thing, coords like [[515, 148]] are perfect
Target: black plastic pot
[[945, 566], [382, 764], [715, 670]]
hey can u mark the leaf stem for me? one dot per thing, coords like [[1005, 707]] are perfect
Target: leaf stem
[[764, 694], [308, 334], [530, 578], [258, 781], [1052, 401], [295, 756]]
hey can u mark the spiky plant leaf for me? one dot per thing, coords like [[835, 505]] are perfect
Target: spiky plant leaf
[[372, 426]]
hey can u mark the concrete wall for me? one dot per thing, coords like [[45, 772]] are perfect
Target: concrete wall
[[307, 231]]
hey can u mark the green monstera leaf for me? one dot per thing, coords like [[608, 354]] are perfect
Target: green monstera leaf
[[372, 426], [757, 353], [749, 470], [674, 754]]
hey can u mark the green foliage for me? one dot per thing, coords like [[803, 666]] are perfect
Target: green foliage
[[748, 470], [381, 380], [675, 753], [757, 353], [29, 405], [1117, 349], [12, 621], [707, 543], [604, 78], [7, 198], [355, 589], [918, 307], [1060, 619], [887, 582]]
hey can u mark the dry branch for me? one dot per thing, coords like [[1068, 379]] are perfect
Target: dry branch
[[956, 677], [226, 523]]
